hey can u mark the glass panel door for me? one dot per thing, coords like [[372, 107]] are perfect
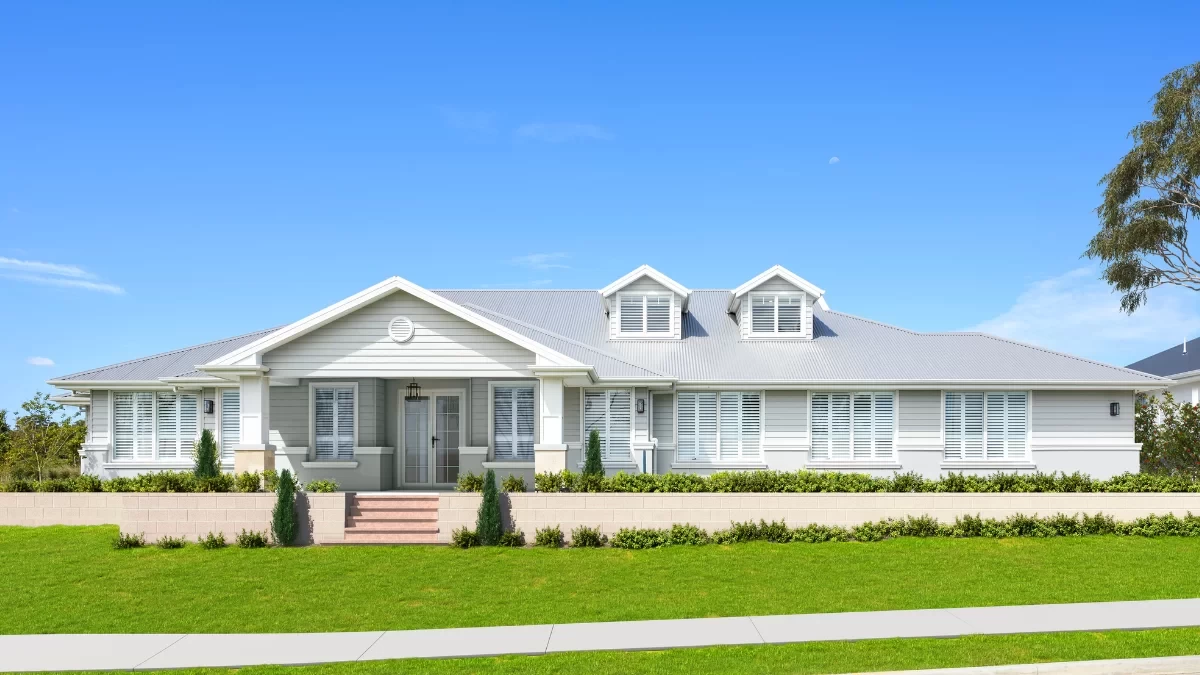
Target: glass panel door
[[417, 440], [446, 438]]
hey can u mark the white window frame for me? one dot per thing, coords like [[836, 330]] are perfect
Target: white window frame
[[312, 418], [583, 431], [1025, 458], [491, 418], [219, 406], [742, 458], [644, 333], [875, 456], [185, 454], [748, 306]]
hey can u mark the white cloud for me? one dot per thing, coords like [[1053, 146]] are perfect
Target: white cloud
[[561, 132], [39, 361], [54, 274], [1078, 313], [834, 160], [466, 120], [541, 261]]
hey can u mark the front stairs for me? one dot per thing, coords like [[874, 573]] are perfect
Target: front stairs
[[392, 518]]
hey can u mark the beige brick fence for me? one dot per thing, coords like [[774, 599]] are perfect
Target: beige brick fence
[[714, 511]]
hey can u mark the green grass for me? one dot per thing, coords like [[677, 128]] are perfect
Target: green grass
[[819, 657], [69, 580]]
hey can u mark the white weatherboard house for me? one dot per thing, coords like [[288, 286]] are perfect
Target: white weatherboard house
[[400, 387]]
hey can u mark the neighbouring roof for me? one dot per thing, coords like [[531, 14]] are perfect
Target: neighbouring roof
[[845, 348], [1173, 361]]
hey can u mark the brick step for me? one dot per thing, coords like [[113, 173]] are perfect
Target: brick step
[[397, 497], [393, 525], [360, 537], [380, 505], [391, 515]]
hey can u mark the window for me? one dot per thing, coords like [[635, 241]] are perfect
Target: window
[[333, 422], [986, 425], [231, 422], [853, 425], [719, 426], [609, 412], [645, 314], [154, 425], [513, 423], [775, 314]]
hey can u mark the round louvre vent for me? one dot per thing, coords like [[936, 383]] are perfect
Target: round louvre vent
[[401, 329]]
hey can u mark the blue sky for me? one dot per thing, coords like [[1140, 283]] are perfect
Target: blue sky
[[172, 173]]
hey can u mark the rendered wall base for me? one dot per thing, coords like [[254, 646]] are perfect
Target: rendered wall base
[[611, 512]]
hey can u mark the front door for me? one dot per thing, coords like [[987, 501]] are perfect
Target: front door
[[432, 435]]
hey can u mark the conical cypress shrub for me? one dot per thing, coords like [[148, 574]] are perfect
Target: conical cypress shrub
[[208, 461], [592, 466], [488, 527], [283, 518]]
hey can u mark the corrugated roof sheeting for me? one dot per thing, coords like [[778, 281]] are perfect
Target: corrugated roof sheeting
[[181, 362]]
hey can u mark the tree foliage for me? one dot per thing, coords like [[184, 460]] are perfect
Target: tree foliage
[[1170, 435], [592, 466], [207, 457], [44, 438], [283, 517], [1152, 195], [488, 526]]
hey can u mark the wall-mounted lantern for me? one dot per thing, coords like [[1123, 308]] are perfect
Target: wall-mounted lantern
[[641, 406], [210, 406], [414, 391], [1114, 409]]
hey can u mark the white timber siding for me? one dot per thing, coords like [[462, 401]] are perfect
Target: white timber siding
[[641, 421], [1081, 418], [356, 345], [209, 421], [786, 421], [775, 285], [478, 430], [664, 420], [646, 285], [98, 417], [919, 419], [571, 415]]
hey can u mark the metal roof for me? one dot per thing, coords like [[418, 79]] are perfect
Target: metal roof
[[177, 363]]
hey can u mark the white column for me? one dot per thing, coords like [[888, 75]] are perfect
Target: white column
[[255, 452], [550, 453]]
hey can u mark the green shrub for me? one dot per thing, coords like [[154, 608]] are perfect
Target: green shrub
[[126, 541], [213, 541], [170, 542], [248, 481], [463, 538], [469, 482], [592, 466], [85, 483], [687, 535], [271, 481], [513, 483], [550, 536], [283, 516], [587, 537], [19, 485], [512, 539], [251, 539], [489, 526], [206, 456], [321, 485], [637, 538]]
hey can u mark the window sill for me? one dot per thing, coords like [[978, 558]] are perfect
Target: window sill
[[150, 464], [508, 464], [623, 464], [985, 464], [339, 464], [852, 464]]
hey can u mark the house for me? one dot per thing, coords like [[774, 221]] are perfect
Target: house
[[1180, 366], [401, 387]]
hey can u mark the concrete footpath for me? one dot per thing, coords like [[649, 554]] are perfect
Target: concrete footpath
[[154, 651]]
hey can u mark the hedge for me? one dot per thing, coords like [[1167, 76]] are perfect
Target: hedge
[[830, 481], [968, 526], [163, 481]]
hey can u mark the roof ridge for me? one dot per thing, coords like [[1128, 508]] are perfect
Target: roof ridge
[[561, 337], [171, 352], [873, 321]]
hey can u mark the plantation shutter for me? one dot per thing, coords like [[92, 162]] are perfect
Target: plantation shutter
[[791, 314], [632, 313], [502, 423], [168, 425], [751, 420], [143, 440], [686, 443], [524, 423], [345, 423], [189, 423], [762, 314], [231, 422], [123, 425], [617, 445], [862, 426], [731, 428], [839, 426], [986, 425], [820, 426], [323, 423], [885, 414], [706, 426], [996, 420], [595, 417], [1017, 426], [973, 425], [658, 314], [954, 421]]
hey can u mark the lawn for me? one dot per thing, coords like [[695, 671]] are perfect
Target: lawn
[[818, 657], [69, 580]]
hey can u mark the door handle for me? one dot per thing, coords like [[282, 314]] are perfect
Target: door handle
[[435, 440]]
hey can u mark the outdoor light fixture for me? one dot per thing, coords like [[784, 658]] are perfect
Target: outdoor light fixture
[[641, 406], [1114, 409], [209, 406], [414, 391]]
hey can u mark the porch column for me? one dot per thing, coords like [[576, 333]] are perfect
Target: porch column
[[550, 453], [255, 452]]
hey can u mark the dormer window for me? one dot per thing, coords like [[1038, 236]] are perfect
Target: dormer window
[[645, 313], [776, 314]]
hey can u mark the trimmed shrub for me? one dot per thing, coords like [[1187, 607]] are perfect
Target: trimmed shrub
[[469, 482], [513, 483], [592, 466], [550, 536], [587, 537], [207, 457], [271, 481], [638, 538], [512, 539], [251, 539], [248, 481], [212, 541], [489, 526], [170, 542], [283, 517], [127, 541], [321, 485], [463, 538]]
